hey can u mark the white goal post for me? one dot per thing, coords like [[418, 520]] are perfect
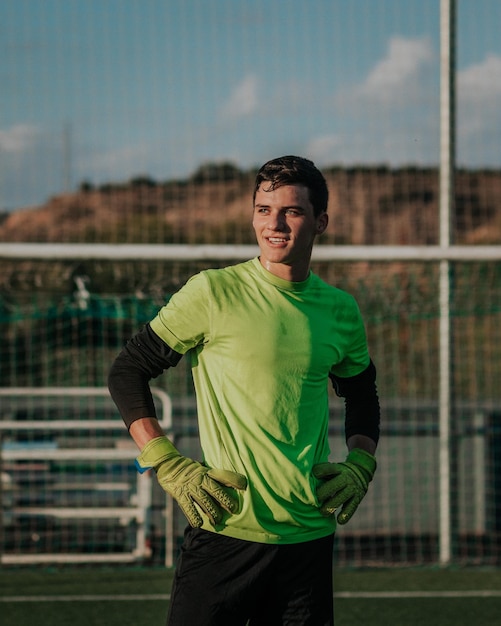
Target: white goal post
[[443, 254]]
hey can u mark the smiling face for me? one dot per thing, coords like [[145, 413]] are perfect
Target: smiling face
[[286, 227]]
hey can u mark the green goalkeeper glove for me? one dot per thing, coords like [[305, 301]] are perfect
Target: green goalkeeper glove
[[190, 482], [345, 483]]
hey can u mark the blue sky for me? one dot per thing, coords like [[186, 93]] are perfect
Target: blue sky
[[104, 90]]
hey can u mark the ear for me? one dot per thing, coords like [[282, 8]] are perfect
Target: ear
[[322, 221]]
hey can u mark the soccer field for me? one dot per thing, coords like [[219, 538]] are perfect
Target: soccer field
[[136, 597]]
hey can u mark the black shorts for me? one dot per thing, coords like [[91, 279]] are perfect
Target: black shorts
[[221, 581]]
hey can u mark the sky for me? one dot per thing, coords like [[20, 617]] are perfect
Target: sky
[[106, 90]]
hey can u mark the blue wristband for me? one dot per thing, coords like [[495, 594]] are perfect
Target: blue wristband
[[141, 469]]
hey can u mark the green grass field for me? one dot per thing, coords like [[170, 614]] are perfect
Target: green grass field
[[139, 596]]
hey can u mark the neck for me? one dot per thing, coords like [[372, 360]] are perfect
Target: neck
[[292, 273]]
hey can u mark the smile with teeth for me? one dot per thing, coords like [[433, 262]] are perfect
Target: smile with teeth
[[277, 240]]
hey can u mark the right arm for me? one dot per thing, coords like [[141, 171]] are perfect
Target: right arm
[[144, 357], [144, 430]]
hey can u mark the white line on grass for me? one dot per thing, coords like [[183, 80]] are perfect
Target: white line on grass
[[479, 593], [85, 598]]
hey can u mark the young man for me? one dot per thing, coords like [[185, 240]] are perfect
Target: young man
[[264, 338]]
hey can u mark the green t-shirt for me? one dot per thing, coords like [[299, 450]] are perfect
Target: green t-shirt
[[261, 350]]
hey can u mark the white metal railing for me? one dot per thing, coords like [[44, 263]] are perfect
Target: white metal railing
[[139, 505]]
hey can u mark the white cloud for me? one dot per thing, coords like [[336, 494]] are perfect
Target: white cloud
[[404, 81], [243, 100], [390, 116], [32, 166], [375, 146], [322, 148], [113, 165], [479, 88], [18, 138], [478, 117], [480, 84], [398, 74]]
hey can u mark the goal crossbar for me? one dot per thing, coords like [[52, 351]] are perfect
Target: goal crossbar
[[179, 252]]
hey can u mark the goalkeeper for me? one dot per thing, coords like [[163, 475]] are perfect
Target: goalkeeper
[[265, 338]]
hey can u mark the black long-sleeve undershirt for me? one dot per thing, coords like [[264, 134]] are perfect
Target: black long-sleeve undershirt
[[362, 411], [144, 357]]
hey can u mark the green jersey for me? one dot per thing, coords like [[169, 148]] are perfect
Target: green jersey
[[261, 350]]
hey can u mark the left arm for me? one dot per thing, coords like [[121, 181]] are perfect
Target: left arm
[[361, 408], [345, 484], [362, 443]]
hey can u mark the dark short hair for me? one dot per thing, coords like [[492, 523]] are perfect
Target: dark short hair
[[294, 170]]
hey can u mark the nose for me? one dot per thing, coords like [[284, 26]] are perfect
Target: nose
[[277, 221]]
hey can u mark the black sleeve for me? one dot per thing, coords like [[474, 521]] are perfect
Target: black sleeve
[[144, 357], [362, 411]]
